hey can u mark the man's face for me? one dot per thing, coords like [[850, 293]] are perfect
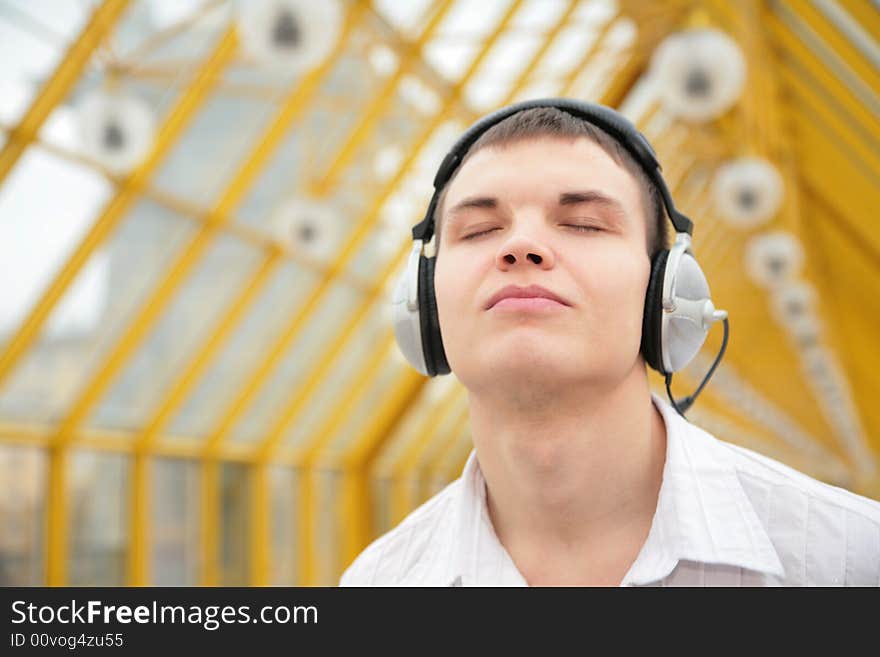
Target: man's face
[[561, 214]]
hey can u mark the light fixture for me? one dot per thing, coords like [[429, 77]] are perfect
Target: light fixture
[[773, 258], [700, 73], [294, 34], [793, 300], [747, 192], [115, 128], [307, 226]]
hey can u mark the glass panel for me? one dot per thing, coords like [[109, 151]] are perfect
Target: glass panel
[[185, 326], [381, 487], [22, 515], [215, 145], [274, 183], [98, 495], [406, 205], [372, 335], [234, 526], [285, 547], [322, 329], [243, 352], [39, 231], [32, 43], [175, 510], [406, 16], [190, 44], [57, 368], [312, 145], [381, 387], [327, 531], [405, 430]]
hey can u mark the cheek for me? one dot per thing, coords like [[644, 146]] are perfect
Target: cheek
[[618, 282], [456, 289], [444, 283]]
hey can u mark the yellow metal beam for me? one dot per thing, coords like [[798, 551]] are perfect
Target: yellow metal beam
[[308, 455], [766, 122], [188, 210], [636, 63], [56, 567], [365, 447], [209, 519], [849, 53], [839, 255], [125, 442], [195, 369], [571, 77], [857, 144], [260, 529], [310, 452], [56, 88], [820, 204], [436, 452], [133, 59], [356, 503], [378, 105], [784, 36], [865, 14], [435, 472], [549, 38], [313, 380], [139, 521], [457, 459], [117, 207], [56, 518], [401, 498], [356, 514], [826, 168]]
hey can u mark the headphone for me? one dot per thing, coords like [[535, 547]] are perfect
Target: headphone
[[678, 307]]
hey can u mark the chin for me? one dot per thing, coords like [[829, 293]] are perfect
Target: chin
[[527, 364]]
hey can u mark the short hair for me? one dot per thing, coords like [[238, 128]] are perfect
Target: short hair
[[553, 122]]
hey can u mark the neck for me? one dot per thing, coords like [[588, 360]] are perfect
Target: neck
[[570, 471]]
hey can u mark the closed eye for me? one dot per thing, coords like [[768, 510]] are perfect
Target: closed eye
[[482, 232], [584, 228], [580, 227]]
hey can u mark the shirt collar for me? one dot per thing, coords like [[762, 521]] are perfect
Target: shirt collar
[[703, 515]]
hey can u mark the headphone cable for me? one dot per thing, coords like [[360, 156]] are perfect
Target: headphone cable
[[684, 404]]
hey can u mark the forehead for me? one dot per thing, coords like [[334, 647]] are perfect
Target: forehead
[[536, 169]]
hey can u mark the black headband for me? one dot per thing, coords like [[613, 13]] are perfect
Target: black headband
[[612, 122]]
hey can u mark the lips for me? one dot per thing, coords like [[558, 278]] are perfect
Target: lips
[[527, 292]]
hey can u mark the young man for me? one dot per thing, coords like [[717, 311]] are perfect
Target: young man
[[579, 474]]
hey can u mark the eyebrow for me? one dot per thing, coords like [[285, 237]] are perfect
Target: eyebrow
[[486, 202], [592, 196], [566, 198]]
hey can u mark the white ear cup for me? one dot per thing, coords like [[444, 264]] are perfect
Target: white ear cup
[[405, 312], [688, 311]]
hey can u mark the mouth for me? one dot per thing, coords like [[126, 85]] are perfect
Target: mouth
[[532, 297], [527, 304]]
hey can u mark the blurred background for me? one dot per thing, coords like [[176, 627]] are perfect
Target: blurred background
[[204, 204]]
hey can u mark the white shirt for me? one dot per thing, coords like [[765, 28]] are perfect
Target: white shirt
[[726, 516]]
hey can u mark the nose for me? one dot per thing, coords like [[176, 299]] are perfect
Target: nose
[[520, 249]]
